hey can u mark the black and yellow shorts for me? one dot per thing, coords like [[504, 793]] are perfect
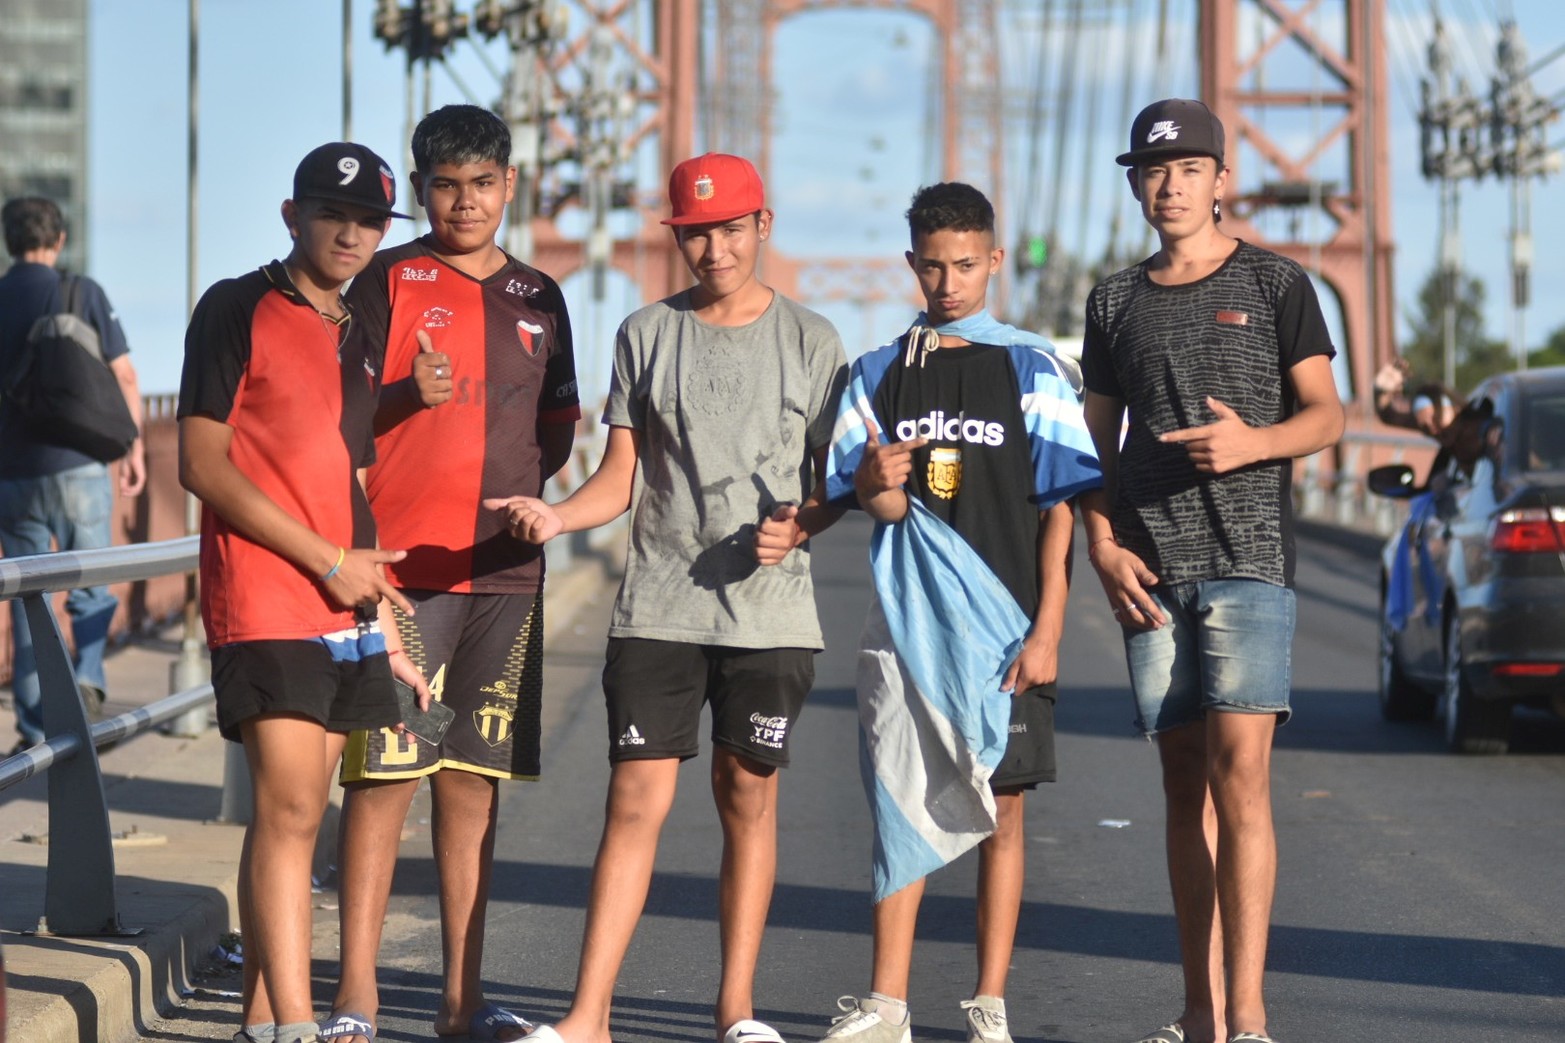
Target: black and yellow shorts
[[482, 655]]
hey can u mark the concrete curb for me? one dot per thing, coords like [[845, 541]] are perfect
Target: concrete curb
[[183, 891]]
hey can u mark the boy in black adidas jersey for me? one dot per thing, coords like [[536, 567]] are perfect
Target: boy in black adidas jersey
[[1218, 352], [965, 440]]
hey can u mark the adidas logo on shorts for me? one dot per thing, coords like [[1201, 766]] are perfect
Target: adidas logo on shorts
[[632, 737]]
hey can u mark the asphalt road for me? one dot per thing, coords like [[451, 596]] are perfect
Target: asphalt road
[[1419, 892]]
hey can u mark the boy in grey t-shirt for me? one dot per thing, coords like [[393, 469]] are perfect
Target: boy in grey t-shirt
[[720, 414]]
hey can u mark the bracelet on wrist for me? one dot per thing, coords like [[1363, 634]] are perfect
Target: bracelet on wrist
[[342, 555], [1092, 550]]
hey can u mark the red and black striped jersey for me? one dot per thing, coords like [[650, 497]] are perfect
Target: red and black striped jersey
[[513, 367], [299, 391]]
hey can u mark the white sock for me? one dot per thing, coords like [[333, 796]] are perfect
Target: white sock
[[889, 1008]]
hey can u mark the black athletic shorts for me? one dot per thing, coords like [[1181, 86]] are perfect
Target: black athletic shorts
[[655, 690], [303, 678], [482, 655], [1029, 752]]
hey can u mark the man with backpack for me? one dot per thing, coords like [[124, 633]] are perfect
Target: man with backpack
[[50, 491]]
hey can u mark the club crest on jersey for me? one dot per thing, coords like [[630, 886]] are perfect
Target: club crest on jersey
[[531, 336], [944, 475], [438, 318], [493, 723], [704, 187]]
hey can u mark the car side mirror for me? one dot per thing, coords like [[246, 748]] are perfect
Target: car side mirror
[[1393, 480]]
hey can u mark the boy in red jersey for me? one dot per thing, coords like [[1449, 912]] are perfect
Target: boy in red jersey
[[276, 407], [480, 376]]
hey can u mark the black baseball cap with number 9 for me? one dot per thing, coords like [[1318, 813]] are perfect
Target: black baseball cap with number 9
[[346, 172]]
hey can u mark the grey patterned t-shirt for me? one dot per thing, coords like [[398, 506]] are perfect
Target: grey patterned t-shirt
[[729, 417], [1162, 350]]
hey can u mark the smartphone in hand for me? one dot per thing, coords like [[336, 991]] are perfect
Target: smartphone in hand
[[429, 725]]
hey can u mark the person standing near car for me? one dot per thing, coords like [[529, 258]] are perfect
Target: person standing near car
[[1218, 351], [49, 492]]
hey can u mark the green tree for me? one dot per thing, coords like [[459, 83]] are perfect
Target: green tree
[[1477, 356], [1551, 354]]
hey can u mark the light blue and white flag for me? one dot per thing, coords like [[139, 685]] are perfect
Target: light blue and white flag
[[933, 721]]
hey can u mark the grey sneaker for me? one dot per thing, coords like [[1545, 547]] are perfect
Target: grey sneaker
[[861, 1022], [986, 1020]]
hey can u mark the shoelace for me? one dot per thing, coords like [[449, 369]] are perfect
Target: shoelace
[[921, 340], [988, 1022], [852, 1013]]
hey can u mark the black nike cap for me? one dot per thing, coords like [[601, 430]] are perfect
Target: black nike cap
[[1174, 127]]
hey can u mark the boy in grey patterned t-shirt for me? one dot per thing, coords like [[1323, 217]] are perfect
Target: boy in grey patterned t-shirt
[[719, 414], [1218, 351]]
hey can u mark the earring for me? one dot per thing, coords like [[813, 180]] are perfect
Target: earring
[[1217, 209]]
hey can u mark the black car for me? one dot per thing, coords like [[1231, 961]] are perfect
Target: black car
[[1472, 616]]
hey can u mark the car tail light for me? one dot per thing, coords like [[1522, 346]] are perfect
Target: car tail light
[[1529, 669], [1529, 530]]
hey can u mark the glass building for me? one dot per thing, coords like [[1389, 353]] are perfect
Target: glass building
[[43, 110]]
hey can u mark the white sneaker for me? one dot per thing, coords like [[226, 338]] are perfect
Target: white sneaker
[[986, 1020], [747, 1030], [861, 1023]]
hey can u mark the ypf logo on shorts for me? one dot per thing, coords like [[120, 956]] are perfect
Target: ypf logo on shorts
[[769, 731]]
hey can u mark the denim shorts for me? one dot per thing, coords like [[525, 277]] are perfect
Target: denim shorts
[[1227, 645]]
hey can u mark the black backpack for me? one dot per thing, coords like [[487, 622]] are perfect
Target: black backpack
[[63, 391]]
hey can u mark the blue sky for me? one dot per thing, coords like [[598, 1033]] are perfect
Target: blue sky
[[851, 145]]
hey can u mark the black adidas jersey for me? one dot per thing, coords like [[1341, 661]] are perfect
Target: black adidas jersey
[[1162, 350], [976, 473]]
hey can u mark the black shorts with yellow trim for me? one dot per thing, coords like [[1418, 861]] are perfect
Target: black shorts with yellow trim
[[482, 655]]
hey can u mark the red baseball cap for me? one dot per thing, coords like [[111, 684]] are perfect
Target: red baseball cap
[[712, 188]]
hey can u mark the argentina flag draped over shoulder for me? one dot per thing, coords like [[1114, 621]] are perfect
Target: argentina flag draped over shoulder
[[934, 722], [944, 629]]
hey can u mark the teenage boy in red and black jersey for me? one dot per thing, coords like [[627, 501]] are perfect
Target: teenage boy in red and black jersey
[[276, 407], [480, 400], [1217, 352]]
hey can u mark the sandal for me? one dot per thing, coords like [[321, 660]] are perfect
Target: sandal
[[491, 1019], [348, 1026], [1167, 1034], [747, 1030]]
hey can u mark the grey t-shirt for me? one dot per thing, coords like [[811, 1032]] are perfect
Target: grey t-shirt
[[729, 417]]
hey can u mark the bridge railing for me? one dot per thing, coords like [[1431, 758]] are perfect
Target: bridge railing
[[1338, 495], [79, 888]]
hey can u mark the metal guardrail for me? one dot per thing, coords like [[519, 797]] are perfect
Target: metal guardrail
[[1342, 498], [79, 887]]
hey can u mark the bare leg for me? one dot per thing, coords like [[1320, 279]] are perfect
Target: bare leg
[[1239, 746], [464, 836], [1191, 874], [371, 827], [745, 792], [640, 795], [256, 1007], [1002, 869], [291, 761], [896, 920]]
